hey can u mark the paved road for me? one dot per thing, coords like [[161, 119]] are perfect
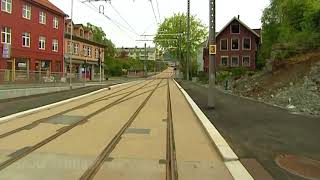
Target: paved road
[[15, 105], [130, 132], [259, 131]]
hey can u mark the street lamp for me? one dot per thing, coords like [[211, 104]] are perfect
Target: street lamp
[[71, 39]]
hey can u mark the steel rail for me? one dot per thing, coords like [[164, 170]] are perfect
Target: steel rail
[[64, 130], [171, 162], [95, 167], [43, 120]]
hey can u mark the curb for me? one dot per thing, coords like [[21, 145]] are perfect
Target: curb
[[231, 160], [49, 106]]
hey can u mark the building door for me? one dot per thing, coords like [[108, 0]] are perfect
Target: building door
[[37, 70], [9, 72]]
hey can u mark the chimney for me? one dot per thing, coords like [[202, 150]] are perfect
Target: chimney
[[238, 16]]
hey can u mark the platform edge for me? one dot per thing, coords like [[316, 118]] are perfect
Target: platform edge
[[231, 160], [49, 106]]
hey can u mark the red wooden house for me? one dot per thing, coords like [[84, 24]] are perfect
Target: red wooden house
[[237, 46]]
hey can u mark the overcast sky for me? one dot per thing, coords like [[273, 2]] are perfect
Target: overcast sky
[[139, 15]]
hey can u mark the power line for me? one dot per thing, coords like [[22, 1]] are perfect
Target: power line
[[158, 10], [154, 13], [94, 8], [123, 18]]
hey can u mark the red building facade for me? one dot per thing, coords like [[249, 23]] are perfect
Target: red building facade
[[34, 31], [237, 46]]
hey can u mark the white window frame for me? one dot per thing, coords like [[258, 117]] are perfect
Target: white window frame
[[55, 23], [227, 61], [42, 17], [69, 48], [249, 61], [221, 44], [243, 43], [26, 39], [97, 53], [55, 45], [85, 51], [6, 6], [231, 29], [42, 43], [76, 49], [7, 33], [26, 11], [232, 43], [231, 63]]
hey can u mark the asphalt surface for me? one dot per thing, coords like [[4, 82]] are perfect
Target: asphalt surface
[[258, 131], [15, 105]]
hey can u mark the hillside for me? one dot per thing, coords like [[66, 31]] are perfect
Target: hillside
[[293, 83]]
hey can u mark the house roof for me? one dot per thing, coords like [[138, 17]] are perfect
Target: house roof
[[47, 4], [242, 23]]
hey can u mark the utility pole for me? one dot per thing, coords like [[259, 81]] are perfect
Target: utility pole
[[212, 62], [145, 59], [100, 62], [71, 39], [188, 39], [180, 44]]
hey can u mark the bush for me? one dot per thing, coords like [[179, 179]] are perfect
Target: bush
[[238, 72], [203, 77]]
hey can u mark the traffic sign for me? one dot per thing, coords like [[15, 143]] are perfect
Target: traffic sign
[[6, 53], [213, 49]]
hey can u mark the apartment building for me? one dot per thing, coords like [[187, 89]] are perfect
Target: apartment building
[[87, 55]]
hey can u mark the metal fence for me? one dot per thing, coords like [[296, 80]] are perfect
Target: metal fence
[[9, 77]]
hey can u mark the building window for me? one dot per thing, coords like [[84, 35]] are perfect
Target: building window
[[69, 29], [247, 43], [26, 11], [235, 44], [76, 48], [42, 43], [97, 53], [224, 60], [89, 51], [85, 51], [55, 23], [235, 29], [6, 35], [26, 39], [81, 33], [6, 6], [235, 61], [69, 48], [224, 44], [55, 45], [42, 17], [246, 61]]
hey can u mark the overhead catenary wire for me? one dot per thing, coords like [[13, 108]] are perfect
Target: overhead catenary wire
[[158, 10], [154, 12], [118, 25], [133, 30]]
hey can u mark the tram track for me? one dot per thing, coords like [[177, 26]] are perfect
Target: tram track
[[66, 129], [43, 120], [95, 167], [171, 162]]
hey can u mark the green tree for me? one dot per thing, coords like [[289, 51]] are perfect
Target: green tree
[[100, 36], [198, 34], [292, 22]]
